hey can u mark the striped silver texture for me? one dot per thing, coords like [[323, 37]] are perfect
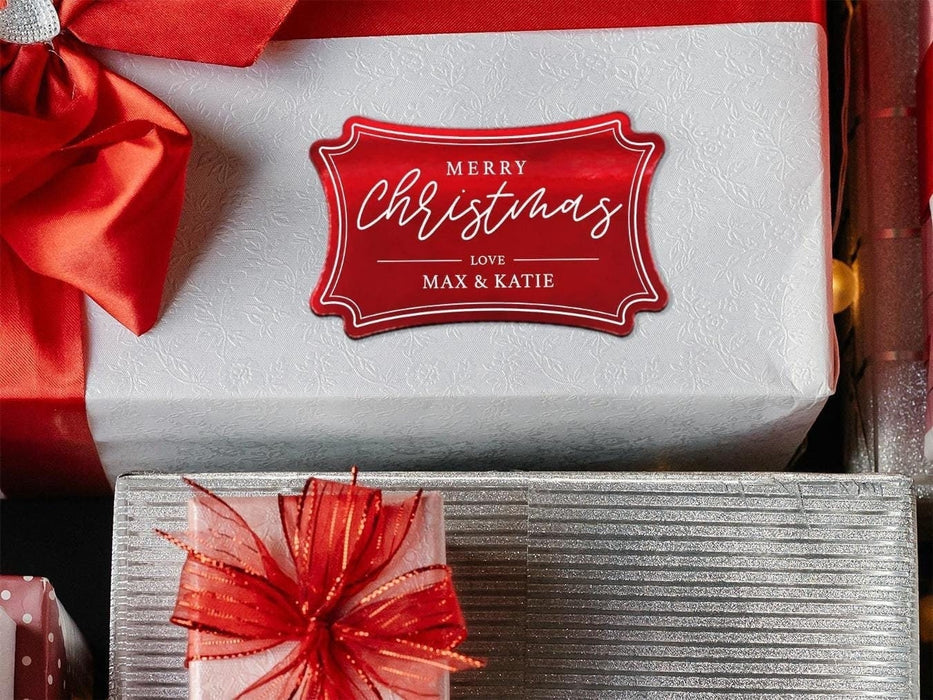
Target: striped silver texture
[[605, 585]]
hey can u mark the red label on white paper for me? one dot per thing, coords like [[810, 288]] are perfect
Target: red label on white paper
[[543, 224]]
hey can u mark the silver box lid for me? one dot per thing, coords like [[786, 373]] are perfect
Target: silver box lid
[[603, 585]]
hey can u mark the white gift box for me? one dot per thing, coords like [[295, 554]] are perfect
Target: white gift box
[[220, 678], [239, 373]]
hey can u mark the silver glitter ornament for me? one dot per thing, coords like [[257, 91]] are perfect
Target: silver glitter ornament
[[29, 22]]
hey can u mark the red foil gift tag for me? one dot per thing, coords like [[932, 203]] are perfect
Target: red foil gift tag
[[543, 224]]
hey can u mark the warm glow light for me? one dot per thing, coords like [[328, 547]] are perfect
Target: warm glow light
[[926, 618], [845, 286]]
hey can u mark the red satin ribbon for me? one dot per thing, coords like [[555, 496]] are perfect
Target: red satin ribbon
[[335, 18], [353, 630], [93, 175]]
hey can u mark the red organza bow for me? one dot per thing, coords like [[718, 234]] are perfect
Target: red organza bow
[[92, 171], [354, 631]]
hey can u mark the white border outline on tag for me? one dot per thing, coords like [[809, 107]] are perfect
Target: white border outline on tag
[[612, 124]]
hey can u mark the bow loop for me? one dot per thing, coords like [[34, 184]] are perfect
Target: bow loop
[[93, 175], [334, 563], [93, 167]]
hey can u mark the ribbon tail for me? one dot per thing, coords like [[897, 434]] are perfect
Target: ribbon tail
[[96, 214], [42, 386]]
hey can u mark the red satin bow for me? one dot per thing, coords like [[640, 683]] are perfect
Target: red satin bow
[[91, 185], [355, 633]]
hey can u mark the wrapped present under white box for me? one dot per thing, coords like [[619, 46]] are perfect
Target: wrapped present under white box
[[654, 586], [239, 372], [51, 660], [925, 152], [884, 336]]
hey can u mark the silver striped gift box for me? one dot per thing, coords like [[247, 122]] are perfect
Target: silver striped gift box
[[603, 585]]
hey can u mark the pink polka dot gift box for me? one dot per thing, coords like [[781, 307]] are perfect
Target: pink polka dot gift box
[[50, 657]]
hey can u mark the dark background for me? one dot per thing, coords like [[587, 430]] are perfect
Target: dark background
[[68, 542]]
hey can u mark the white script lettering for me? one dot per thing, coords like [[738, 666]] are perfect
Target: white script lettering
[[411, 201]]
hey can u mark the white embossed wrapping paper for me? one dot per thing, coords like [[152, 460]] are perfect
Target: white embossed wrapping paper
[[239, 373], [608, 585], [424, 546]]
